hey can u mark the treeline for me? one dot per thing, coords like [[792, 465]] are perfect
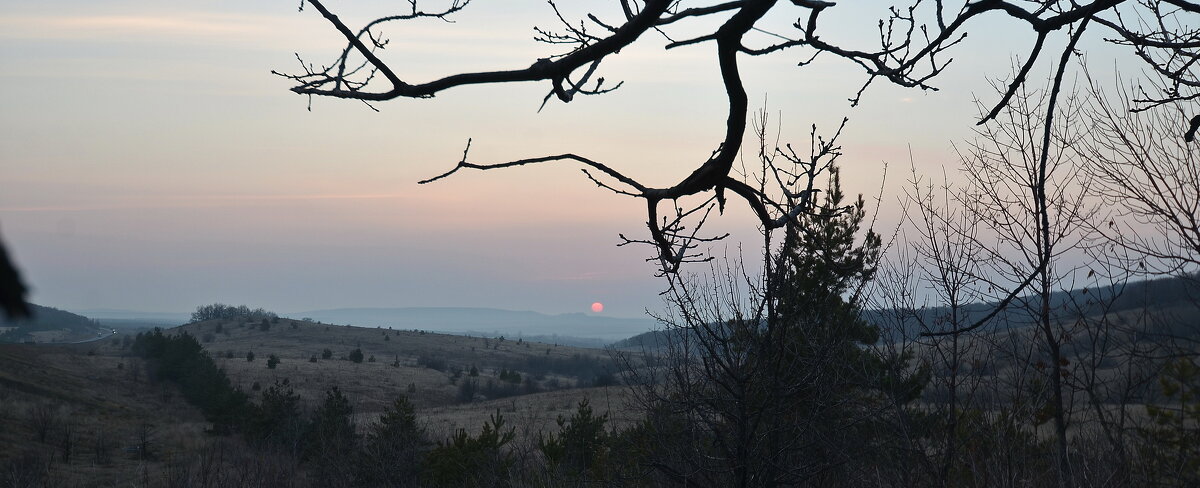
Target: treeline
[[226, 312], [181, 359], [542, 373]]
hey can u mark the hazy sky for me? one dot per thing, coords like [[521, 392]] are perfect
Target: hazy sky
[[150, 161]]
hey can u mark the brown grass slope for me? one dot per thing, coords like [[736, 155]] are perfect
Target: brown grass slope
[[103, 398], [78, 414]]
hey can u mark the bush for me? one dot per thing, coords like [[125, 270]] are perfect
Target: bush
[[272, 361], [467, 390], [250, 356], [277, 420], [579, 449], [326, 354], [510, 376], [432, 362], [393, 448], [331, 439], [472, 461], [356, 355]]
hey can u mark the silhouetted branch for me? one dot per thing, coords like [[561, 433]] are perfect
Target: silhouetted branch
[[912, 48]]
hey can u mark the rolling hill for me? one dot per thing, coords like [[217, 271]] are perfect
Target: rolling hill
[[487, 321]]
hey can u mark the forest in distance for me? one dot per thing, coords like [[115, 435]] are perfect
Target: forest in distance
[[1030, 319]]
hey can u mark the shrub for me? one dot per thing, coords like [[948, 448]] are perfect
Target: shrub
[[472, 461], [276, 421], [579, 449], [356, 355], [467, 390], [326, 354], [331, 439], [510, 376], [272, 360], [393, 448], [432, 362], [250, 356], [1168, 442]]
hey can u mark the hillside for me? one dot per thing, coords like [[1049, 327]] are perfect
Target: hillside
[[487, 321], [1173, 302], [48, 324], [78, 419], [1179, 295], [103, 397], [428, 361]]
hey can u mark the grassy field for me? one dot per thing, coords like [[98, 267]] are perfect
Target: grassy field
[[102, 397]]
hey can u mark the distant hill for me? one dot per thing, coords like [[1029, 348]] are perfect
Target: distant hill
[[135, 318], [1180, 295], [487, 321], [46, 319]]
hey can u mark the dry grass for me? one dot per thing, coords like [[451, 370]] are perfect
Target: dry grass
[[98, 403], [107, 395], [373, 386]]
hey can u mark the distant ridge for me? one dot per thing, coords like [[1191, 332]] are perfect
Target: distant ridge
[[45, 319], [462, 320], [1178, 293], [1158, 293], [107, 314]]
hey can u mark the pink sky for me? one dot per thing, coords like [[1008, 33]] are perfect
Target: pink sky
[[148, 159]]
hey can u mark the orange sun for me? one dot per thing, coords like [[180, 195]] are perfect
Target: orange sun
[[597, 307]]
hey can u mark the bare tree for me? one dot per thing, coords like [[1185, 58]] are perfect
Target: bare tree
[[1027, 190], [914, 46], [1151, 177], [931, 282], [43, 417]]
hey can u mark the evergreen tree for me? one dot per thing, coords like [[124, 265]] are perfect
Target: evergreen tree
[[781, 388], [331, 441], [393, 448]]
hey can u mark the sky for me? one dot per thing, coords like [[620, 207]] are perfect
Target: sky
[[150, 161]]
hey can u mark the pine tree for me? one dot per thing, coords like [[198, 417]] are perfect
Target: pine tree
[[781, 391], [332, 439], [393, 448]]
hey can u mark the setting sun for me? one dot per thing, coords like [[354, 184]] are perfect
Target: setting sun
[[597, 307]]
